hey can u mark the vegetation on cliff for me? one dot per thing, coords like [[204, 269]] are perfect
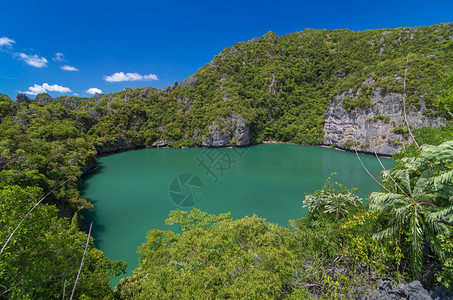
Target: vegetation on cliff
[[281, 87]]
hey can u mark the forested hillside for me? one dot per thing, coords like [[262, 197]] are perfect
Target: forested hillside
[[281, 86], [269, 88]]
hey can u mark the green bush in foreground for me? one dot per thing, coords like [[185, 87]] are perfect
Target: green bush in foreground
[[327, 254], [214, 257], [419, 201], [43, 257]]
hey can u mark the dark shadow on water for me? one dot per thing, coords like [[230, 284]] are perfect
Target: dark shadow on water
[[92, 216], [89, 216]]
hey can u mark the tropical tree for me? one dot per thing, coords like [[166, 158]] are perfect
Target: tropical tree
[[419, 198], [214, 257], [41, 258], [331, 201]]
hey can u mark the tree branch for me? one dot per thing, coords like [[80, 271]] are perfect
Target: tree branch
[[389, 173], [404, 104], [81, 264], [64, 290], [29, 212], [449, 112], [370, 173]]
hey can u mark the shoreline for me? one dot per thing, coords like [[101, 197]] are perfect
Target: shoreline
[[106, 153], [328, 147]]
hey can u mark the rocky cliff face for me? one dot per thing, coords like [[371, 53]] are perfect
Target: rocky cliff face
[[387, 291], [380, 128], [232, 132]]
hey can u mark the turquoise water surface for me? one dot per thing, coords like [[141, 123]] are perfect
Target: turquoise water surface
[[134, 191]]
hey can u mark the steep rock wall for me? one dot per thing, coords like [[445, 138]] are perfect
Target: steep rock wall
[[232, 132], [380, 128]]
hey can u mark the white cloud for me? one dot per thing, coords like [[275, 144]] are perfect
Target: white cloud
[[33, 60], [68, 68], [44, 88], [35, 90], [5, 41], [120, 76], [58, 57], [94, 91], [56, 88]]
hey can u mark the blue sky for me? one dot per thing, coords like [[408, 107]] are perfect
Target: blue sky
[[77, 47]]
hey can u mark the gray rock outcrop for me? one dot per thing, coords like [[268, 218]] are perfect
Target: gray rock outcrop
[[441, 294], [220, 136], [71, 101], [412, 291], [375, 128], [22, 98], [43, 98], [160, 144], [122, 144], [190, 81]]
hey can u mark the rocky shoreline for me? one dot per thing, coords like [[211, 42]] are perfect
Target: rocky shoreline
[[385, 290]]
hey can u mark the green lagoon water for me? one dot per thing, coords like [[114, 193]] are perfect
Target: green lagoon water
[[131, 190]]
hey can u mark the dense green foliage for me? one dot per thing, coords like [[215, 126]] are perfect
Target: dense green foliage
[[328, 200], [445, 90], [43, 256], [246, 258], [419, 199], [339, 250], [281, 86]]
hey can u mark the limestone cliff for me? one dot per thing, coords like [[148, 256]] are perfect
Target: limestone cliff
[[379, 128], [231, 132]]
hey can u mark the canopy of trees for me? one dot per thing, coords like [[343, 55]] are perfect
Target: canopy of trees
[[281, 86]]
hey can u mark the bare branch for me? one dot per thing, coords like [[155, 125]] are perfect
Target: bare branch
[[23, 219], [81, 264], [449, 112], [64, 290], [8, 290], [388, 173], [404, 104], [335, 260], [370, 173], [246, 269], [309, 285]]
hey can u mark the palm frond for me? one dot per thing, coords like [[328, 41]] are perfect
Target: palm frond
[[444, 178], [440, 213], [416, 240]]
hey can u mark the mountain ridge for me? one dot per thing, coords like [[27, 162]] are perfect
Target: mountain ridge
[[280, 88]]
